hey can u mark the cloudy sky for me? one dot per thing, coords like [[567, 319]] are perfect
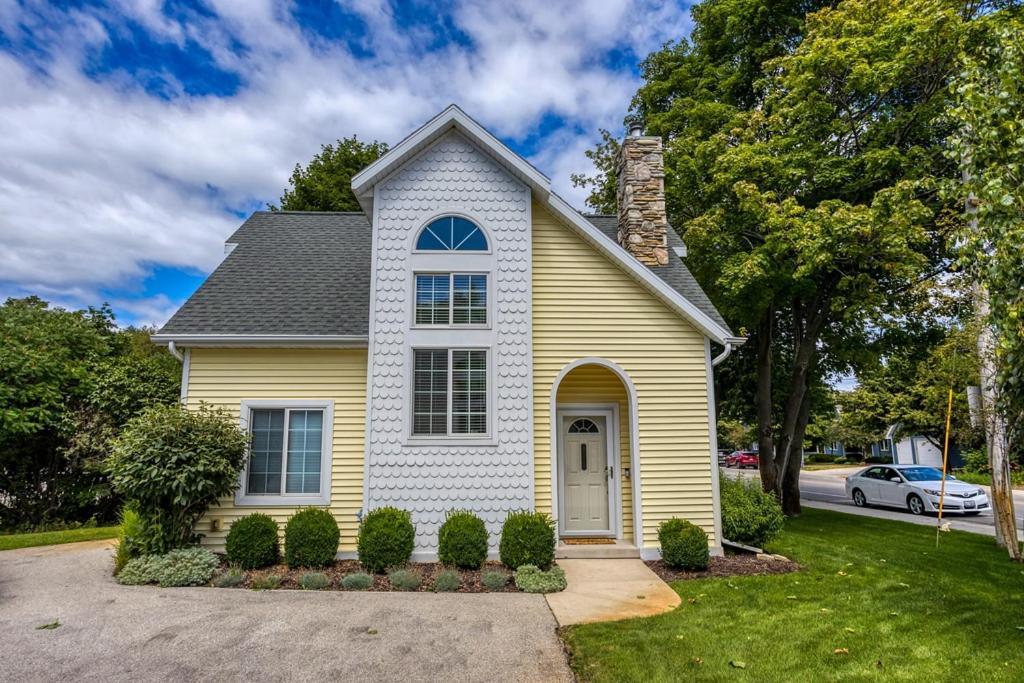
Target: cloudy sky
[[136, 135]]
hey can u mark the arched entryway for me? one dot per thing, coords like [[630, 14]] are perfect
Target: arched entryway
[[595, 471]]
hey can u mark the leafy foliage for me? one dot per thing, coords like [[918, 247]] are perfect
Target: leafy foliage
[[131, 529], [404, 579], [252, 542], [447, 581], [987, 143], [749, 515], [311, 538], [314, 581], [180, 567], [357, 581], [527, 538], [174, 464], [266, 582], [325, 184], [69, 380], [386, 538], [531, 579], [462, 540], [684, 545]]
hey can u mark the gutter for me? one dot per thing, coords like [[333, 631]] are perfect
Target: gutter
[[730, 344], [175, 352], [260, 341]]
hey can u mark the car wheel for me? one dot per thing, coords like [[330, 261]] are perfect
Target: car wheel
[[915, 504], [858, 498]]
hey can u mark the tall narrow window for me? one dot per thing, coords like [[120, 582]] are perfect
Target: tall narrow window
[[449, 392], [433, 299], [469, 299], [430, 392], [286, 455]]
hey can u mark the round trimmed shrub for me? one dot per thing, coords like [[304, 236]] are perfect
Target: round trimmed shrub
[[252, 542], [358, 581], [462, 540], [386, 538], [749, 515], [684, 545], [311, 538], [527, 538], [447, 581]]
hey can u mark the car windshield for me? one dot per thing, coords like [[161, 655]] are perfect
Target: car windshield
[[924, 474]]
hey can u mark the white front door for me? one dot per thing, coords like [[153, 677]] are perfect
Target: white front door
[[585, 473]]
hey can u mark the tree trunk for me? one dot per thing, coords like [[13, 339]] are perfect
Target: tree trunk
[[995, 435], [763, 398]]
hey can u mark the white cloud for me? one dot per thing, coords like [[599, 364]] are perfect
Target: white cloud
[[99, 179]]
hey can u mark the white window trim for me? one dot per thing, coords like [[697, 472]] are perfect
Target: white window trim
[[451, 301], [450, 214], [326, 453], [449, 439]]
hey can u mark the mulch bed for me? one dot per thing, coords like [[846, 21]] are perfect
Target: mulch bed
[[729, 565], [470, 577]]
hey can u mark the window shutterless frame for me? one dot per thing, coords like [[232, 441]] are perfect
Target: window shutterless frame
[[450, 438], [452, 277], [242, 497]]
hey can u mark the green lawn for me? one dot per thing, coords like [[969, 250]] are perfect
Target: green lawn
[[904, 611], [986, 479], [12, 541]]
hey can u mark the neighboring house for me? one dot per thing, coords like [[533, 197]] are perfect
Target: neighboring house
[[913, 449], [468, 341]]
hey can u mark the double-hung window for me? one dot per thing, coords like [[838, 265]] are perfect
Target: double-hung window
[[458, 299], [289, 453], [450, 392]]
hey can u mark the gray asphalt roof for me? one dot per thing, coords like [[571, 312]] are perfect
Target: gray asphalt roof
[[308, 273]]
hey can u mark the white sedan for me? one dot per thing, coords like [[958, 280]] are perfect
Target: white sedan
[[915, 487]]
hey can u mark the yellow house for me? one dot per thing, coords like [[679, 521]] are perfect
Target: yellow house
[[467, 341]]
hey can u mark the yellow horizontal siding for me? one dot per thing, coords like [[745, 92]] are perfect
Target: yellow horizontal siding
[[584, 305], [226, 377]]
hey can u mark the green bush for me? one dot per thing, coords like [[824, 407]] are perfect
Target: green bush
[[749, 515], [976, 461], [311, 538], [684, 545], [181, 567], [173, 464], [462, 540], [230, 579], [819, 458], [386, 538], [266, 582], [252, 542], [404, 579], [357, 581], [494, 580], [129, 538], [314, 581], [531, 579], [527, 538], [447, 581]]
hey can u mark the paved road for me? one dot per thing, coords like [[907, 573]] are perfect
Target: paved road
[[829, 488], [110, 632]]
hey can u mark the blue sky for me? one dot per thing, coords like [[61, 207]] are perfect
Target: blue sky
[[137, 134]]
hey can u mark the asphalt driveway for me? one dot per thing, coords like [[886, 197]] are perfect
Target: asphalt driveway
[[112, 632]]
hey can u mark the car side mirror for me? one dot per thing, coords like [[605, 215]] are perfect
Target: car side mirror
[[896, 480]]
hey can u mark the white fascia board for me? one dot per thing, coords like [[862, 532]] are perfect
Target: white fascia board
[[263, 340], [640, 272], [451, 117]]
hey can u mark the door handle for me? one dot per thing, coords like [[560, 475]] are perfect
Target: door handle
[[610, 471]]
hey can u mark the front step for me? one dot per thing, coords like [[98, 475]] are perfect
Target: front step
[[604, 551]]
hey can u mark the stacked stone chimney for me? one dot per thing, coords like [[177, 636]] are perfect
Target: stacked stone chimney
[[643, 222]]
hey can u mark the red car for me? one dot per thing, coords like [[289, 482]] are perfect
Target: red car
[[741, 459]]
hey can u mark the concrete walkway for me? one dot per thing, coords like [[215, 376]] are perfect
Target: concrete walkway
[[609, 590], [109, 632]]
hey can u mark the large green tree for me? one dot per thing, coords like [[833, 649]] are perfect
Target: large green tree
[[325, 184], [801, 184], [69, 380]]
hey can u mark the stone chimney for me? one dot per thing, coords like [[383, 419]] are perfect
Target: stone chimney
[[643, 222]]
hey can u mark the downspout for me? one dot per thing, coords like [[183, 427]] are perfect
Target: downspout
[[720, 357], [175, 352]]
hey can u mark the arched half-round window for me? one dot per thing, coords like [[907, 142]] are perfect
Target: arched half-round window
[[451, 233], [584, 426]]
